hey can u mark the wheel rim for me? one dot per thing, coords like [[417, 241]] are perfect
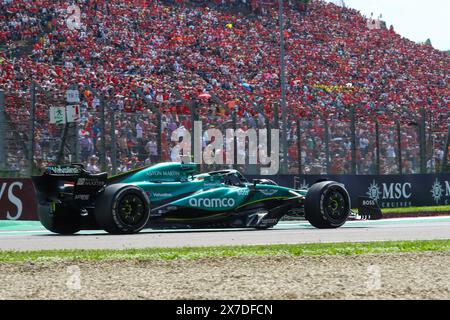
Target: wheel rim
[[336, 205], [131, 209]]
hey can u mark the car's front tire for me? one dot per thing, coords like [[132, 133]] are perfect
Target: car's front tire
[[122, 209], [327, 205]]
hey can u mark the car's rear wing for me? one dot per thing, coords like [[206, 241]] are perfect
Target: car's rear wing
[[68, 183]]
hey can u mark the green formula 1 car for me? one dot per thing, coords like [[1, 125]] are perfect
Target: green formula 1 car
[[173, 195]]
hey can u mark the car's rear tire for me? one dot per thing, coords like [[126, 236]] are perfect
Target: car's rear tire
[[122, 209], [62, 220], [327, 205]]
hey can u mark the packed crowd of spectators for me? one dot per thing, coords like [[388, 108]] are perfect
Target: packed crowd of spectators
[[212, 54]]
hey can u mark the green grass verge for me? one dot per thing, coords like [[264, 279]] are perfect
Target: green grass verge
[[342, 249], [417, 209]]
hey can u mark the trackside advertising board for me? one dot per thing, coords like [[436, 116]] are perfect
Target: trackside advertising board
[[390, 191], [18, 201]]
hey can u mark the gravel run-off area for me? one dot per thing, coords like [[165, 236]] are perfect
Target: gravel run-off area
[[376, 276]]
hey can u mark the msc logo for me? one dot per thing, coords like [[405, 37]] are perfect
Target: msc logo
[[389, 191], [438, 191], [212, 203]]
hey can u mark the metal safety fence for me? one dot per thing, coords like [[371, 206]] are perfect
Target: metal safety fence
[[117, 134]]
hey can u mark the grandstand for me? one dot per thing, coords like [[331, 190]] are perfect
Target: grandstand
[[139, 62]]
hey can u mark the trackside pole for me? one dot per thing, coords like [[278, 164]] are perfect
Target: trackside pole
[[284, 142], [32, 127], [377, 141], [158, 114], [2, 132], [102, 149], [299, 147], [102, 134], [422, 139], [192, 108], [327, 146], [447, 145], [76, 142], [399, 148], [159, 135], [267, 123], [353, 137], [113, 142], [60, 155]]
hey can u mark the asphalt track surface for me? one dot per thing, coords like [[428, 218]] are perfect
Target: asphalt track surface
[[22, 236]]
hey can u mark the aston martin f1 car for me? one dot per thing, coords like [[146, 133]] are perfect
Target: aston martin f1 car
[[174, 195]]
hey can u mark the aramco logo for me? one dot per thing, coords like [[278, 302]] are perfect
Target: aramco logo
[[212, 203]]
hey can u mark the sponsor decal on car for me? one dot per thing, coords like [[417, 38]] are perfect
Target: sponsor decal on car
[[269, 221], [160, 195], [82, 197], [90, 182], [243, 192], [268, 192], [211, 184], [171, 173], [212, 203], [63, 170], [369, 203]]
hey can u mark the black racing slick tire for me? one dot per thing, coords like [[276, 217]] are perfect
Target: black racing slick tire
[[59, 218], [122, 209], [327, 205]]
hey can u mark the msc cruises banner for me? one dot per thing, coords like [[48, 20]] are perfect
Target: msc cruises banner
[[390, 191]]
